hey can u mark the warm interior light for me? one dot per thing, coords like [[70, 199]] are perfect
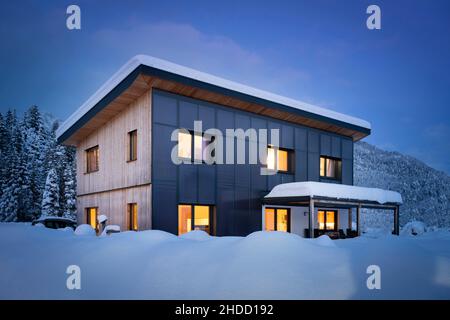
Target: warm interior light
[[282, 220], [321, 220], [93, 217], [322, 166], [270, 158], [269, 217], [134, 215], [326, 220], [282, 162], [198, 145], [201, 218], [184, 218], [330, 220], [184, 145]]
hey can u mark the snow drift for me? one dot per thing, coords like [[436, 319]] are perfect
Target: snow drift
[[264, 265]]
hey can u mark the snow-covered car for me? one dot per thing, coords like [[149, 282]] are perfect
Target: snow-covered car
[[56, 222]]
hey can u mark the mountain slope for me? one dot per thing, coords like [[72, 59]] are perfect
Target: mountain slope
[[425, 191]]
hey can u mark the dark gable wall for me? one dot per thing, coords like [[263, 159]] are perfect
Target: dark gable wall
[[235, 190]]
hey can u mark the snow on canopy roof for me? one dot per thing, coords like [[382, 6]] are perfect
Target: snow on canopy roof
[[332, 190], [167, 66]]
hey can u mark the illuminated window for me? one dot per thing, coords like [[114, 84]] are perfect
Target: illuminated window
[[282, 220], [184, 218], [327, 220], [190, 144], [133, 216], [91, 217], [194, 217], [270, 219], [92, 159], [132, 145], [201, 218], [184, 145], [279, 159], [277, 219], [330, 168]]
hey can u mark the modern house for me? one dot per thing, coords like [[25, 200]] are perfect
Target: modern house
[[125, 169]]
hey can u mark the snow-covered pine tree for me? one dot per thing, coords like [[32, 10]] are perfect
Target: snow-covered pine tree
[[3, 154], [29, 150], [36, 149], [50, 197], [70, 205], [57, 159], [12, 183]]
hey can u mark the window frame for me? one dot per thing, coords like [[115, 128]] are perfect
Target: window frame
[[336, 227], [97, 165], [275, 218], [337, 161], [290, 160], [211, 208], [132, 142]]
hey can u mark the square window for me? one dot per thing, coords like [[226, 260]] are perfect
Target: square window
[[280, 160], [330, 168]]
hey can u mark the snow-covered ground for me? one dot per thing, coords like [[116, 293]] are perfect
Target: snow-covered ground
[[263, 265]]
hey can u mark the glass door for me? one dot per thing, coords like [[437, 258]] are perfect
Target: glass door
[[277, 219], [194, 217]]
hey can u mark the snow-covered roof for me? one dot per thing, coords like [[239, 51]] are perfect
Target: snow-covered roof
[[173, 68], [336, 191]]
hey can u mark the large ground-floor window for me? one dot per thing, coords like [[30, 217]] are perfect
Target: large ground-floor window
[[327, 220], [194, 217], [277, 219]]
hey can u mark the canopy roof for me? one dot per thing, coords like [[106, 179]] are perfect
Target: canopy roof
[[331, 191]]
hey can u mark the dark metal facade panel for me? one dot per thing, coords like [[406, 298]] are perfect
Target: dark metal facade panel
[[347, 171], [287, 136], [301, 165], [206, 184], [336, 147], [313, 141], [188, 113], [347, 148], [165, 110], [235, 190], [325, 145], [313, 166], [188, 183], [301, 139]]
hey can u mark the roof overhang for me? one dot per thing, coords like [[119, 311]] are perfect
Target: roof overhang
[[143, 72]]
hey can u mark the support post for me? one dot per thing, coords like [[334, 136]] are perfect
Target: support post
[[358, 212], [396, 221], [350, 212], [311, 218], [263, 220]]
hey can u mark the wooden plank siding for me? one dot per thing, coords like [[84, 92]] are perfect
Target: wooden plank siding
[[114, 203], [118, 181]]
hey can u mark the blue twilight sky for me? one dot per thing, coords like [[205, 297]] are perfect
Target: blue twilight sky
[[317, 51]]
